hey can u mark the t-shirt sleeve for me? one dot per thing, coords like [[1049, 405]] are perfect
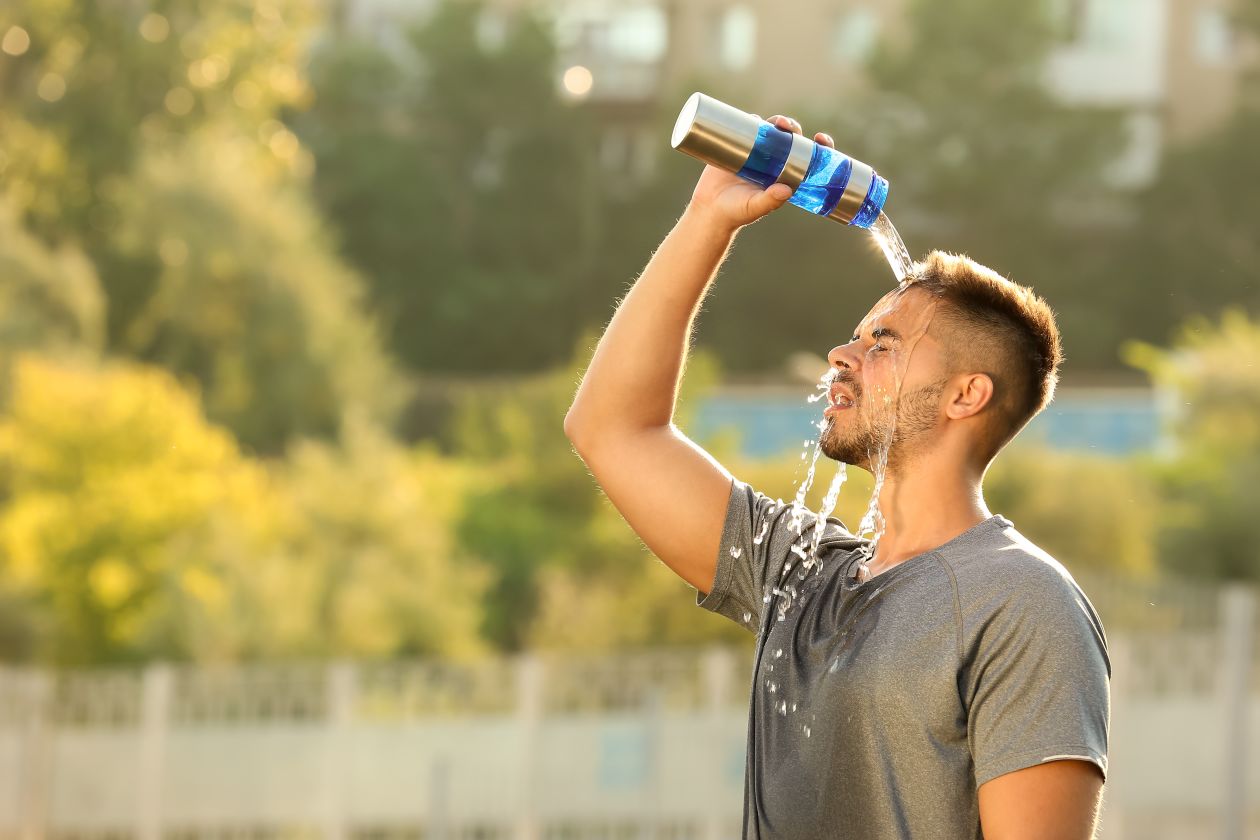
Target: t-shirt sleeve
[[1039, 680], [757, 541]]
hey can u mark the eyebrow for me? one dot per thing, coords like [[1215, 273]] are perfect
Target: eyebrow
[[881, 332]]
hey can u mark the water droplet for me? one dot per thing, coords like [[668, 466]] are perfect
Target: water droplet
[[736, 551], [778, 653], [774, 687], [783, 708], [747, 617], [794, 707], [835, 666], [806, 731]]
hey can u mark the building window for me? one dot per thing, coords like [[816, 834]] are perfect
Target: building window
[[737, 38], [492, 29], [633, 32], [1137, 164], [853, 36], [1212, 36], [638, 33], [1098, 24]]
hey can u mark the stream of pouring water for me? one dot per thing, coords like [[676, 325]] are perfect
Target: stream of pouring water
[[889, 241]]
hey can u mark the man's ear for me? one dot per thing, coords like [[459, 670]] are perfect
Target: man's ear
[[969, 394]]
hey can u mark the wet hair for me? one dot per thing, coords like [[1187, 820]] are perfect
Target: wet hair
[[995, 326]]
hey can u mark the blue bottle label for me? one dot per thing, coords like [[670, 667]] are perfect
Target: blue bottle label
[[825, 181], [768, 156]]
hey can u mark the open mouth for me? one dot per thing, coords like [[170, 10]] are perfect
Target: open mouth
[[838, 398]]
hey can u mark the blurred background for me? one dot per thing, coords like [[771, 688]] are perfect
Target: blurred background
[[294, 295]]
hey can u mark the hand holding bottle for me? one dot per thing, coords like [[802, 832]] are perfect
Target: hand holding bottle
[[731, 202]]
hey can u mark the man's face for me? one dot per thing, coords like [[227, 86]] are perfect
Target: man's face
[[885, 384]]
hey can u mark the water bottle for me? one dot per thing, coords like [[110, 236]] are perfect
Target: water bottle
[[824, 181]]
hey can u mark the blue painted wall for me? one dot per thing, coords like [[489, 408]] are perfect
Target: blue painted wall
[[774, 422]]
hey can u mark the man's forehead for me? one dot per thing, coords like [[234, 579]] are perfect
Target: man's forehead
[[899, 306]]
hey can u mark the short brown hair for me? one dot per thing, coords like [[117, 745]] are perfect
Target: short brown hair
[[1000, 328]]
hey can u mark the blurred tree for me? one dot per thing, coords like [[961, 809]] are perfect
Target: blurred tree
[[1194, 248], [1105, 522], [49, 300], [130, 528], [454, 173], [147, 137], [95, 79], [372, 530], [246, 301], [1211, 374], [99, 469], [544, 529]]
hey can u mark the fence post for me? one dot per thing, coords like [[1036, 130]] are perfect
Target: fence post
[[33, 691], [529, 712], [1238, 610], [719, 673], [342, 689], [1120, 652], [154, 723]]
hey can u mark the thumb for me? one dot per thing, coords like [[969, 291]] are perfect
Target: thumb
[[769, 199]]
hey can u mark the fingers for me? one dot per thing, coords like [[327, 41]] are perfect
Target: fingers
[[789, 124], [785, 123]]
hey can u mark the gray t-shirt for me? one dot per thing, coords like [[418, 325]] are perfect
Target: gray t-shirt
[[879, 708]]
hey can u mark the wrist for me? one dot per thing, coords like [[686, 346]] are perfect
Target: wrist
[[700, 216]]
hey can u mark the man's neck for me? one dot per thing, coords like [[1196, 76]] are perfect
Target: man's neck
[[925, 506]]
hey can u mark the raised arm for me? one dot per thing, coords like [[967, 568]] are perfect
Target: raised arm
[[671, 492]]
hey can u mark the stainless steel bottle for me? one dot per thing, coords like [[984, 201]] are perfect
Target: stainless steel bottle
[[824, 182]]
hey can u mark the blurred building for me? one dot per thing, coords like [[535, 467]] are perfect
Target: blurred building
[[1172, 65]]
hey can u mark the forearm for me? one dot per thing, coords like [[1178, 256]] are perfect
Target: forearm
[[632, 381]]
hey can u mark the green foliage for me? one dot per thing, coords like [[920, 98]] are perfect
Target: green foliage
[[131, 529], [147, 138], [371, 531], [98, 77], [1194, 247], [245, 300], [49, 300], [543, 528], [1091, 513], [461, 186], [99, 470], [1211, 375]]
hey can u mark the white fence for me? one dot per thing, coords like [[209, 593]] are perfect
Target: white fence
[[642, 745]]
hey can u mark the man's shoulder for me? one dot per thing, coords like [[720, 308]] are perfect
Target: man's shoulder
[[1004, 567]]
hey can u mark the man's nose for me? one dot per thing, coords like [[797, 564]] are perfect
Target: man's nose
[[843, 355]]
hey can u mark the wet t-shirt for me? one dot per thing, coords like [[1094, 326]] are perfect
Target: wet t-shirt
[[879, 708]]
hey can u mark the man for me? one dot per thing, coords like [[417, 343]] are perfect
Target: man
[[954, 684]]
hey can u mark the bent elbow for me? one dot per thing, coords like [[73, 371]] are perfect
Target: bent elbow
[[573, 428]]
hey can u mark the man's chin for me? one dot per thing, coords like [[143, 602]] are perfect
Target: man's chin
[[844, 454]]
